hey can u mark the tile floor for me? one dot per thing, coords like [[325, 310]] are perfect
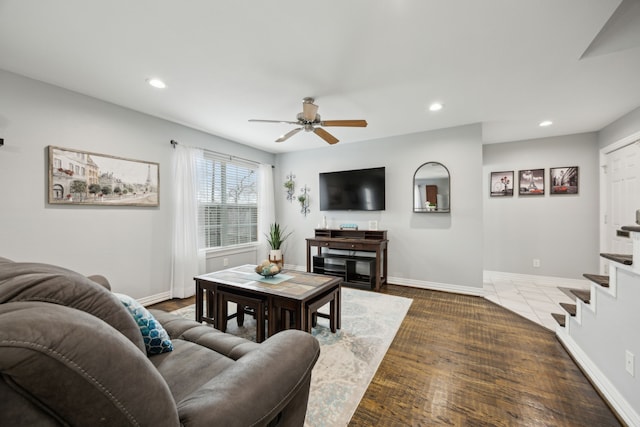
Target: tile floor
[[534, 300]]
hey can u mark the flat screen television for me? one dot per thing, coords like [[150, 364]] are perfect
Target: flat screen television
[[353, 190]]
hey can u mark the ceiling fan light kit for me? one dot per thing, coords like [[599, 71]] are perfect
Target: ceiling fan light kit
[[309, 120]]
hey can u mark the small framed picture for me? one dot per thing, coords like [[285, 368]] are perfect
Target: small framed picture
[[564, 180], [501, 184], [531, 182]]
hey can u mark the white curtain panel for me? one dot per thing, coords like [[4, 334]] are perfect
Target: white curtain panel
[[186, 259], [266, 209]]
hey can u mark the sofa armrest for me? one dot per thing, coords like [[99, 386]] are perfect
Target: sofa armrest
[[100, 280], [80, 368], [268, 382]]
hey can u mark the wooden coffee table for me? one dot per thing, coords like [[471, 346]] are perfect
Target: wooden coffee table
[[290, 297]]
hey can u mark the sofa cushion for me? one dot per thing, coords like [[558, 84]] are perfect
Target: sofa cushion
[[188, 367], [229, 345], [23, 281], [156, 340]]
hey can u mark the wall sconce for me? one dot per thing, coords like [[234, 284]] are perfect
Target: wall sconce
[[290, 185], [303, 198]]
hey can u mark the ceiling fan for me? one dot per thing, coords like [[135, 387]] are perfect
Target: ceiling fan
[[309, 121]]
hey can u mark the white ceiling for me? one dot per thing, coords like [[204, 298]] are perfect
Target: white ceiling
[[506, 64]]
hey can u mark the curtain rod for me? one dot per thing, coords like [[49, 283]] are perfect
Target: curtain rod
[[173, 142]]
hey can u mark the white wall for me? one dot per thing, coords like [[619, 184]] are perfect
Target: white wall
[[425, 249], [559, 230], [626, 125], [129, 245], [132, 245]]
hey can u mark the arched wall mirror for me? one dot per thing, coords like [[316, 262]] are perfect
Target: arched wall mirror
[[431, 188]]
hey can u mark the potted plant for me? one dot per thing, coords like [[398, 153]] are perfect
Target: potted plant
[[276, 237]]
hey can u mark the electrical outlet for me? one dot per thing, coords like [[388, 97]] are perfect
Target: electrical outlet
[[536, 262], [225, 262], [629, 363]]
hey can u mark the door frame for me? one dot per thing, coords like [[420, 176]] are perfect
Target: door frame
[[604, 152]]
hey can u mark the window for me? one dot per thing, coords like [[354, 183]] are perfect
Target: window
[[227, 201]]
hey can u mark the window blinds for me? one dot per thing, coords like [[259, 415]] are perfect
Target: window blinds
[[227, 201]]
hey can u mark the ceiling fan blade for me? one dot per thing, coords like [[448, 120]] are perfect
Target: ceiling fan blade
[[325, 135], [349, 123], [309, 111], [288, 134], [274, 121]]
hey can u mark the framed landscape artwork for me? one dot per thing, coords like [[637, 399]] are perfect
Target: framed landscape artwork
[[564, 180], [531, 182], [83, 178], [501, 184]]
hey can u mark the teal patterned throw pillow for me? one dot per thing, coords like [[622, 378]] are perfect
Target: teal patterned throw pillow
[[156, 339]]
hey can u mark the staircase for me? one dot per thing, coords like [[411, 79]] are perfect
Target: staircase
[[601, 330]]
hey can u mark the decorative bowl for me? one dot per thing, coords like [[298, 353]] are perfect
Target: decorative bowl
[[267, 269], [267, 275]]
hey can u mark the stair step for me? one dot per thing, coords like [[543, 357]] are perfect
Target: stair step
[[621, 258], [583, 295], [598, 279], [569, 308], [560, 318]]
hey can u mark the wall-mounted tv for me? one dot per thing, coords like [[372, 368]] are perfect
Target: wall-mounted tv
[[353, 190]]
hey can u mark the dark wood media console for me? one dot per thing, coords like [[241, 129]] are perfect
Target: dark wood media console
[[343, 265]]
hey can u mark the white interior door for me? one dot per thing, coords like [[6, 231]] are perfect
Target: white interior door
[[623, 191]]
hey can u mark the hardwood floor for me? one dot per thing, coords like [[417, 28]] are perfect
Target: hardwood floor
[[464, 361], [174, 304]]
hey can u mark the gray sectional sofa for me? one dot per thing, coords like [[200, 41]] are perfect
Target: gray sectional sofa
[[72, 354]]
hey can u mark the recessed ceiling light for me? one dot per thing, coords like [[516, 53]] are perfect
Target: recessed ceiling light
[[436, 106], [157, 83], [545, 123]]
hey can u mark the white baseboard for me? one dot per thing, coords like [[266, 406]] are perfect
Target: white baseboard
[[436, 286], [491, 276], [154, 299], [423, 284], [599, 380]]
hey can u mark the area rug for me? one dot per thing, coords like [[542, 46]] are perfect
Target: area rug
[[349, 358]]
